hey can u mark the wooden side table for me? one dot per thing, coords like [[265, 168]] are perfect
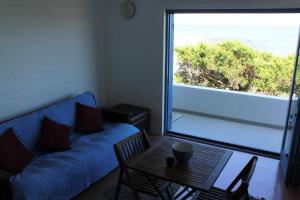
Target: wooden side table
[[134, 115]]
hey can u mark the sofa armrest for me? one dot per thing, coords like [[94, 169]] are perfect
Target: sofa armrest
[[5, 191]]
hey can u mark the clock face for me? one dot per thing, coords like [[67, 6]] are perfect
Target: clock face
[[127, 9]]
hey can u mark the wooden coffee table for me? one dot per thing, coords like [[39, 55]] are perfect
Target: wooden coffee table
[[200, 174]]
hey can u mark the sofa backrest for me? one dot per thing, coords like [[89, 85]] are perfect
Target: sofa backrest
[[27, 127]]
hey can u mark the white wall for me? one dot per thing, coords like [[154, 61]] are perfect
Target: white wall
[[236, 105], [49, 50], [134, 49]]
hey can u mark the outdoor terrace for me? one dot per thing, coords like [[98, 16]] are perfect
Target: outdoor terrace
[[250, 120]]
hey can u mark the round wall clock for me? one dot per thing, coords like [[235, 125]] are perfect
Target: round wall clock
[[127, 9]]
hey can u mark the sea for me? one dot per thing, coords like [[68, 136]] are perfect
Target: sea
[[279, 40]]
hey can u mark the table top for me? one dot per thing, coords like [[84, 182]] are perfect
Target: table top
[[201, 172]]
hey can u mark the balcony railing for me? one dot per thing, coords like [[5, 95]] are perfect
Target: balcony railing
[[238, 118], [241, 106]]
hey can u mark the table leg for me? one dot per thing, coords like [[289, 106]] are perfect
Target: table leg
[[170, 195], [155, 187], [181, 192], [134, 192], [190, 193], [119, 185]]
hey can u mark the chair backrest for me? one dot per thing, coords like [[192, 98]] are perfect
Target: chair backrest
[[244, 177], [130, 146]]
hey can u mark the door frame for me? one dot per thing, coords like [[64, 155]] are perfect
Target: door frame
[[169, 39], [169, 68], [286, 164]]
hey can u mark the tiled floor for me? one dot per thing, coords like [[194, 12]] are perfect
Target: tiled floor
[[258, 137]]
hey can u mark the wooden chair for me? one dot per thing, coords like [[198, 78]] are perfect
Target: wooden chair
[[241, 192], [138, 182]]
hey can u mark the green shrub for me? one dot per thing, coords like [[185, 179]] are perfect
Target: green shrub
[[235, 66]]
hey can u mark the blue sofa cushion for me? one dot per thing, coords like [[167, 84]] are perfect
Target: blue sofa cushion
[[27, 128], [62, 175]]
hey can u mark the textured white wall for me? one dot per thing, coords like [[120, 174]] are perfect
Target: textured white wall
[[49, 50], [231, 104], [54, 49], [134, 49]]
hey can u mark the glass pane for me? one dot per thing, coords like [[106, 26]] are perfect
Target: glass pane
[[293, 111], [232, 77]]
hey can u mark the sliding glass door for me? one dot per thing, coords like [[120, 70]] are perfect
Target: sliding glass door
[[289, 157], [228, 76]]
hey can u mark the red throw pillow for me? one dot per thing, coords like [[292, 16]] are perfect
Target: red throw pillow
[[13, 155], [89, 119], [54, 136]]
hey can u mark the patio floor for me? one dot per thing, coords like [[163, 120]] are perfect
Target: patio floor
[[258, 137]]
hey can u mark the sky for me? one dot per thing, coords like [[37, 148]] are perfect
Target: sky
[[290, 19], [276, 33]]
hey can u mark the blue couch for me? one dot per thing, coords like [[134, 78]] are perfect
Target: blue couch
[[62, 175]]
